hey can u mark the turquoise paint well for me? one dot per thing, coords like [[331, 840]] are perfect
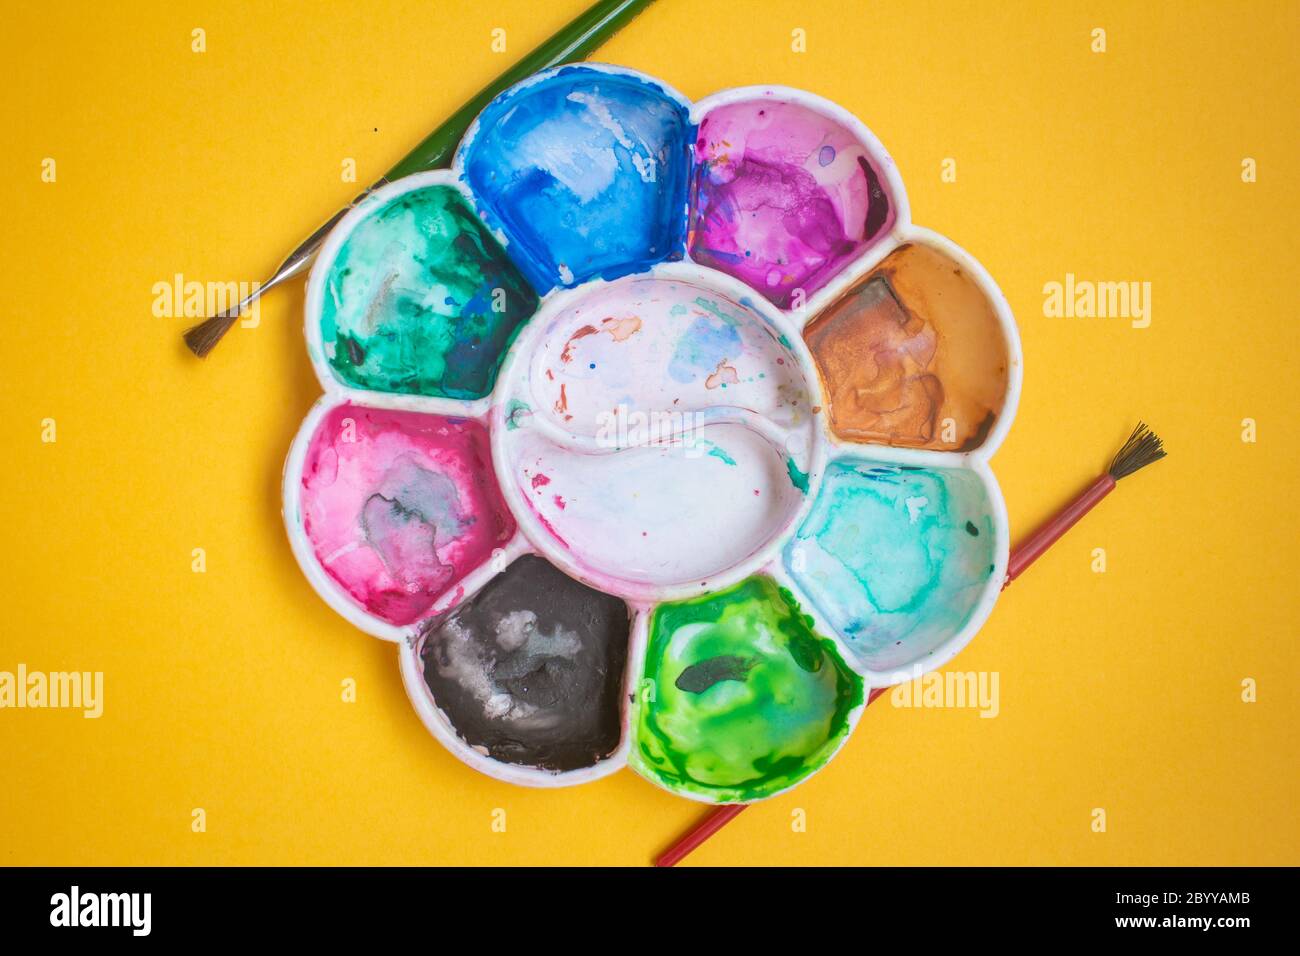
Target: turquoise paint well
[[895, 559]]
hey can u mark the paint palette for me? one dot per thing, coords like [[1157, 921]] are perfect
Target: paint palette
[[655, 433]]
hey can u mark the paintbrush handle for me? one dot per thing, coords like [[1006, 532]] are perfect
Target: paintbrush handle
[[1028, 551], [716, 819], [575, 41]]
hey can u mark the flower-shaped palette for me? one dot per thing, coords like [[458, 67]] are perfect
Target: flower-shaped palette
[[655, 433]]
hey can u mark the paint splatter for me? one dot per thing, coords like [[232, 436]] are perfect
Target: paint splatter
[[622, 329], [702, 347], [516, 413], [566, 353], [797, 478], [722, 376], [718, 452]]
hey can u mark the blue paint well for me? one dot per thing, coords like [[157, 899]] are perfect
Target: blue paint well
[[586, 173], [895, 559]]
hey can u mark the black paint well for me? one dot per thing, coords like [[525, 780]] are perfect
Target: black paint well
[[531, 668]]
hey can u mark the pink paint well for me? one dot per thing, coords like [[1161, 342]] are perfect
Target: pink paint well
[[400, 506], [784, 197]]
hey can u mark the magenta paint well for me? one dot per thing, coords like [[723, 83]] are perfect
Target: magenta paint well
[[784, 197], [399, 506]]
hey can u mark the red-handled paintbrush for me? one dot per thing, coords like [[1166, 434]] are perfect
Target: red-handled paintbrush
[[1142, 448]]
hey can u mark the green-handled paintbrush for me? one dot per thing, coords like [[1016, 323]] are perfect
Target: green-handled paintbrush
[[575, 41]]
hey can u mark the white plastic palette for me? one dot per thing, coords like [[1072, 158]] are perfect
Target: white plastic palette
[[638, 407]]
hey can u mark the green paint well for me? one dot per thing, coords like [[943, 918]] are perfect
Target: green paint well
[[743, 699], [422, 300]]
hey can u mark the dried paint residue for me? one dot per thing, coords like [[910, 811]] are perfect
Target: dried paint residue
[[784, 197], [400, 506], [682, 402], [747, 700], [913, 355], [895, 559], [585, 172], [421, 299], [530, 669]]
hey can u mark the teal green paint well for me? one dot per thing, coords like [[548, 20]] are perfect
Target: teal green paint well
[[421, 299]]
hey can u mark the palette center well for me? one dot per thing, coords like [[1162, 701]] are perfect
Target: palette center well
[[658, 433]]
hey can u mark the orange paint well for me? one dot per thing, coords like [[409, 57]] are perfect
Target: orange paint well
[[914, 344]]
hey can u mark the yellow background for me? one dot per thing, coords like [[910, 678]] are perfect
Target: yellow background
[[1119, 690]]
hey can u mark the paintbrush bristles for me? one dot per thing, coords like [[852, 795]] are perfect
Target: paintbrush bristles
[[1142, 448], [203, 337]]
